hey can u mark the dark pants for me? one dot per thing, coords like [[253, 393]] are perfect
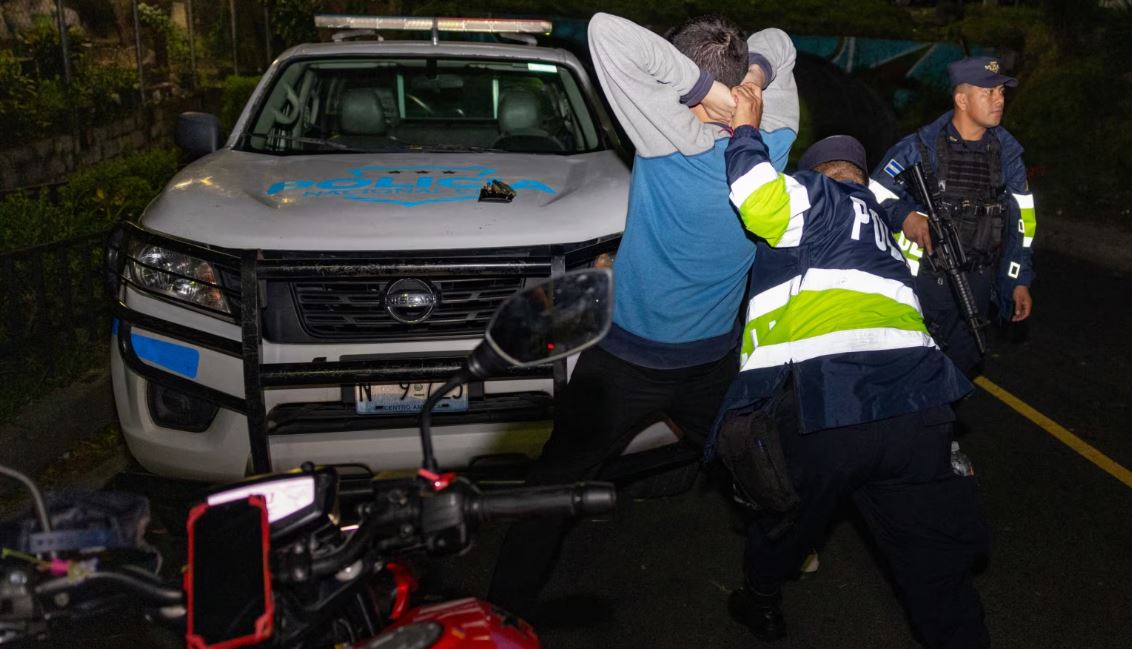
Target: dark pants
[[926, 520], [945, 320], [605, 404]]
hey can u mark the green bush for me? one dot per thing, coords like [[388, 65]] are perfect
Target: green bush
[[38, 104], [29, 220], [92, 200], [292, 21], [102, 92], [17, 93], [1013, 27], [117, 189], [1076, 148], [46, 346], [235, 94], [171, 36], [41, 44]]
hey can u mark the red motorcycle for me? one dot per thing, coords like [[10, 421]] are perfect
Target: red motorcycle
[[310, 558]]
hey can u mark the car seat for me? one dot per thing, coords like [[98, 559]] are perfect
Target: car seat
[[361, 120], [520, 124]]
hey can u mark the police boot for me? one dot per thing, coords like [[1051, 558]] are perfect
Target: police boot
[[759, 612]]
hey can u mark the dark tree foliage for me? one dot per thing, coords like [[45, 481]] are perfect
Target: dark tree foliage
[[1071, 22]]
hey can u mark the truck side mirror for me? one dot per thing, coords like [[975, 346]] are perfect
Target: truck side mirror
[[198, 134]]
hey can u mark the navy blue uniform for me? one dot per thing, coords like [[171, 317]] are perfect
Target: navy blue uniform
[[1012, 264], [836, 341]]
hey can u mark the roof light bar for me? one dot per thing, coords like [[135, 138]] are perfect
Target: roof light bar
[[413, 23]]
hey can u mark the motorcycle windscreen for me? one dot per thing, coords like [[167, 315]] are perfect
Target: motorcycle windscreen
[[228, 583]]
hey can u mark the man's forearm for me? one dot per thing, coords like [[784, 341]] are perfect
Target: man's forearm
[[643, 76], [774, 49]]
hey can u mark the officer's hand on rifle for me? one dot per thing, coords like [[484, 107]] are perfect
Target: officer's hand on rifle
[[748, 105], [916, 230], [1023, 303]]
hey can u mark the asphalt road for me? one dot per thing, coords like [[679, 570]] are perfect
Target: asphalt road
[[1060, 568], [1060, 571]]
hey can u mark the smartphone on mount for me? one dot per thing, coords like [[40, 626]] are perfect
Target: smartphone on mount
[[228, 582]]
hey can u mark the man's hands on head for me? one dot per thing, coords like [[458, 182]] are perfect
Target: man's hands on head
[[756, 76], [917, 231], [718, 104], [748, 105]]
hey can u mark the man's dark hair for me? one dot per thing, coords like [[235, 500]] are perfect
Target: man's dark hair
[[716, 45]]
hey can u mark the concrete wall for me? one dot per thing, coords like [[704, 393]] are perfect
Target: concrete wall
[[51, 160]]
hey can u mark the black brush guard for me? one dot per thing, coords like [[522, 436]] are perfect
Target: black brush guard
[[254, 267]]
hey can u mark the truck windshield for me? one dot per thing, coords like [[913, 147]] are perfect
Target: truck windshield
[[344, 105]]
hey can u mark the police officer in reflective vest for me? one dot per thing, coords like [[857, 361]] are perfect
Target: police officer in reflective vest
[[840, 374], [982, 188]]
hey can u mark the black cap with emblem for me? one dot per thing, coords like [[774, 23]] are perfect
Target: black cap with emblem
[[981, 71]]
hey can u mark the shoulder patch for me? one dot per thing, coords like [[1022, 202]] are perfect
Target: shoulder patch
[[893, 168]]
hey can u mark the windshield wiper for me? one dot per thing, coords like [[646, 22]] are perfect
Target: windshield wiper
[[461, 148], [305, 140]]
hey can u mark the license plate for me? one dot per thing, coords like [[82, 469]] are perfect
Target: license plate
[[383, 398]]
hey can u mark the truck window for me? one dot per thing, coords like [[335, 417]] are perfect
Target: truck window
[[422, 104]]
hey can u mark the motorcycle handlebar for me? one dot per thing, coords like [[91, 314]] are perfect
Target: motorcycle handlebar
[[147, 588], [571, 500], [469, 505]]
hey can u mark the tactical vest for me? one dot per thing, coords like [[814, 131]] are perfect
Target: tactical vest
[[971, 195]]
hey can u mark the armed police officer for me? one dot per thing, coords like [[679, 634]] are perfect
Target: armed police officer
[[976, 166], [840, 373]]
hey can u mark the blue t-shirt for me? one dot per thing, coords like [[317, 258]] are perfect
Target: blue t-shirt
[[681, 270]]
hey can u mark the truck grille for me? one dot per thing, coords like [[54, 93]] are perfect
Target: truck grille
[[355, 309]]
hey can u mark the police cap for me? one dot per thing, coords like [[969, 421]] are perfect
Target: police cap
[[834, 147], [981, 71]]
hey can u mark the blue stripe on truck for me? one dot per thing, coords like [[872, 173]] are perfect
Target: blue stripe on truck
[[182, 360]]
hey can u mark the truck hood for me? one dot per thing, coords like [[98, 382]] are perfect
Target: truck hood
[[383, 201]]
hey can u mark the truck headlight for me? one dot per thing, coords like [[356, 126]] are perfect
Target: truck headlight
[[176, 275]]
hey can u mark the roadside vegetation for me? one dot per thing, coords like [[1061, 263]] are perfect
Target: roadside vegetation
[[34, 100], [92, 200], [40, 352]]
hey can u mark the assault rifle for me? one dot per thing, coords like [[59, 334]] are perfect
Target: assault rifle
[[947, 251]]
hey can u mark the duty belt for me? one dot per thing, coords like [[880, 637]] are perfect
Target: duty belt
[[971, 209]]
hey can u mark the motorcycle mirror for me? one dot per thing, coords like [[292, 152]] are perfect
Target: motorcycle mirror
[[538, 324], [547, 321]]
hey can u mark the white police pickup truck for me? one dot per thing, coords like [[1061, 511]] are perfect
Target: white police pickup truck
[[296, 293]]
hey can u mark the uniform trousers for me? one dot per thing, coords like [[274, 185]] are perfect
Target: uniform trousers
[[605, 404], [944, 319], [925, 519]]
